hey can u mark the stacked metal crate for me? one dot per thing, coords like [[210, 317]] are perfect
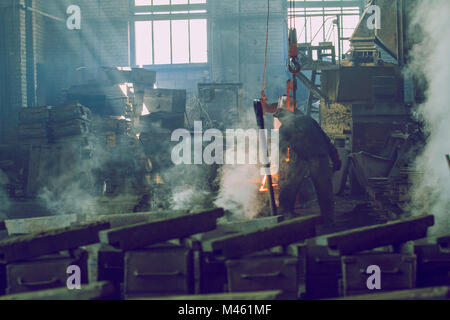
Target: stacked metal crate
[[321, 272], [433, 263], [382, 251], [158, 270], [41, 261], [166, 108], [262, 272], [258, 259], [70, 122], [109, 130], [150, 266], [34, 139], [398, 272], [53, 142], [147, 260], [34, 126]]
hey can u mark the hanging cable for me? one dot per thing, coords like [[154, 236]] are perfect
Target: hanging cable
[[293, 11], [267, 46]]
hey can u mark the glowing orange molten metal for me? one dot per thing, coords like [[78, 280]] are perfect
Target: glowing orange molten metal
[[264, 185]]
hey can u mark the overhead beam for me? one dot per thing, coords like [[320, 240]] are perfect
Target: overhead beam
[[181, 16], [325, 4], [169, 8]]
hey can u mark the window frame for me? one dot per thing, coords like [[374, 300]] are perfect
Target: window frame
[[308, 9], [152, 13]]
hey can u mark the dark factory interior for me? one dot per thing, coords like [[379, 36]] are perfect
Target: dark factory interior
[[224, 150]]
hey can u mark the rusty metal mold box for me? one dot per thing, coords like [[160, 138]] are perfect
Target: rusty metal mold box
[[45, 272], [158, 271], [322, 273], [264, 272], [398, 272], [433, 265], [2, 279], [212, 275], [110, 264]]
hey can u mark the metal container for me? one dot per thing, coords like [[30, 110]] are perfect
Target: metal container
[[165, 100], [70, 128], [35, 114], [45, 272], [70, 112], [322, 273], [264, 272], [212, 275], [2, 279], [158, 271], [433, 266], [398, 272], [110, 264]]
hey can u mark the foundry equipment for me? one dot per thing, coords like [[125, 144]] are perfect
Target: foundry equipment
[[260, 121]]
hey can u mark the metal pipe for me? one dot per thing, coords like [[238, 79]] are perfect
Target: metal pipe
[[260, 121], [312, 87]]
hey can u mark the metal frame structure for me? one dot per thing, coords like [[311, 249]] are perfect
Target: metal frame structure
[[325, 9]]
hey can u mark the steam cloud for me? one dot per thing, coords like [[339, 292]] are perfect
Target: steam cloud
[[430, 62], [191, 187], [239, 190], [70, 191], [239, 185]]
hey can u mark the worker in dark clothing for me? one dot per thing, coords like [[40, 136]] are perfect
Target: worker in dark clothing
[[309, 152]]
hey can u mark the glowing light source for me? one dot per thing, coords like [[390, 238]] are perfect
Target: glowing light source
[[264, 185]]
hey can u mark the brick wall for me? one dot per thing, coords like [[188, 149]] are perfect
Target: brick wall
[[13, 64]]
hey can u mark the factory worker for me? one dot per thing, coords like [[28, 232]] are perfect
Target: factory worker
[[304, 149]]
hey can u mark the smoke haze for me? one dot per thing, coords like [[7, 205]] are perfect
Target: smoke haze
[[430, 62]]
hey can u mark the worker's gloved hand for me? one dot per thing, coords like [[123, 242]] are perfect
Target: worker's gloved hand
[[337, 164], [263, 98]]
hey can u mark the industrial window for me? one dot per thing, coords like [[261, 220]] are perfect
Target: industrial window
[[325, 21], [170, 32]]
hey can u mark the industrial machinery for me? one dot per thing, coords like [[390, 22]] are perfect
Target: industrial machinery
[[363, 97]]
